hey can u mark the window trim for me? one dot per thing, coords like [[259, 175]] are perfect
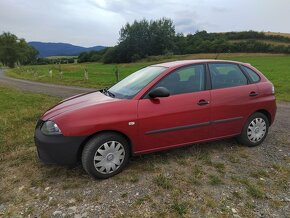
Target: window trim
[[250, 78], [221, 62], [146, 96]]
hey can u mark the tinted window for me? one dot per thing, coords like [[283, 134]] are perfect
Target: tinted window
[[226, 75], [185, 80], [254, 76]]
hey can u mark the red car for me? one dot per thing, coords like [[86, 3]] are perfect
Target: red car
[[159, 107]]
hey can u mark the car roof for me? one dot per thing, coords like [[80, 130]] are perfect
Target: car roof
[[196, 61]]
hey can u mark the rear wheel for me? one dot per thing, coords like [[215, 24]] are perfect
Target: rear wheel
[[105, 155], [255, 130]]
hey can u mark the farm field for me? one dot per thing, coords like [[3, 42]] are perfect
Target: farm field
[[217, 179], [275, 67]]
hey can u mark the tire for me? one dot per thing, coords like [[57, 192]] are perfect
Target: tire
[[105, 155], [255, 130]]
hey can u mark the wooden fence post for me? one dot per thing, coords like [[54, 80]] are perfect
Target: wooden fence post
[[86, 74], [117, 73]]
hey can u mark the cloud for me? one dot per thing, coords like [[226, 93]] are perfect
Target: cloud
[[92, 22]]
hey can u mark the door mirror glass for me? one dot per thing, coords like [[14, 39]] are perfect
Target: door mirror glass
[[159, 92]]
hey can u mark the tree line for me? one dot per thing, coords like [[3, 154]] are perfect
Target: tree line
[[158, 37], [145, 38], [16, 51]]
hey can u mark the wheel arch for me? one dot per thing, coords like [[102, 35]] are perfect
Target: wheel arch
[[266, 113], [101, 132]]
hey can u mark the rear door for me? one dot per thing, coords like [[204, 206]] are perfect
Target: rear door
[[232, 99], [182, 117]]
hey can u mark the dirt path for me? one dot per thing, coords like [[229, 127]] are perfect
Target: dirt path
[[50, 89]]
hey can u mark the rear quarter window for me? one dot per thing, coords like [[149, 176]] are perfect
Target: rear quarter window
[[253, 75]]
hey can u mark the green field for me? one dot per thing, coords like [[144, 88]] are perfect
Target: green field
[[19, 113], [201, 179], [275, 67]]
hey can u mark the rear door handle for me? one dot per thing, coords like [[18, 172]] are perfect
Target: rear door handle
[[202, 102], [253, 94]]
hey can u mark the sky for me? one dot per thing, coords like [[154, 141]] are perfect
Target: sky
[[97, 22]]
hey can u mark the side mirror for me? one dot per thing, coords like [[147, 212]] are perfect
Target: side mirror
[[159, 92]]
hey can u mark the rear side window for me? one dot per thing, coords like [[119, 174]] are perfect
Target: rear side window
[[184, 80], [225, 75], [253, 75]]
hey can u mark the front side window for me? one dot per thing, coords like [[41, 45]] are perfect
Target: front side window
[[131, 85], [225, 75], [184, 80], [254, 76]]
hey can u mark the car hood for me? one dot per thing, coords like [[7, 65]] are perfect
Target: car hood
[[78, 102]]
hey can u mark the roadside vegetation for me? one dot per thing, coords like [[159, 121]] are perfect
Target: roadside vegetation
[[16, 51], [98, 75], [218, 179]]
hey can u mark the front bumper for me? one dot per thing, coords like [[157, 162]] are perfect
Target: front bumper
[[57, 149]]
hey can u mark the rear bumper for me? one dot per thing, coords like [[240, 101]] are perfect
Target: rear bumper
[[58, 149], [274, 113]]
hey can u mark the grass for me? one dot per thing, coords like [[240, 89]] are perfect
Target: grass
[[275, 67], [255, 191], [215, 180], [100, 75], [278, 34], [163, 181], [252, 189], [196, 175], [20, 112], [180, 208], [260, 174], [192, 181], [220, 167], [262, 41]]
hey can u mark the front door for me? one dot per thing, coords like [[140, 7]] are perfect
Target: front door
[[181, 118]]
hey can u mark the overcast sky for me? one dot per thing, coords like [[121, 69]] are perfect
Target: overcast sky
[[97, 22]]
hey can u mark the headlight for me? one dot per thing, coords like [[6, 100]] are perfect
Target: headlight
[[50, 128], [273, 89]]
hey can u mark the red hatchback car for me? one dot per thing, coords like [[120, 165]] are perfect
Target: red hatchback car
[[159, 107]]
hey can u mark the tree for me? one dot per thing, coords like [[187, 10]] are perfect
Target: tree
[[14, 50], [141, 39], [162, 36], [8, 49]]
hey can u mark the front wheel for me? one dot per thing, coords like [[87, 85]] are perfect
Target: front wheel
[[255, 130], [105, 155]]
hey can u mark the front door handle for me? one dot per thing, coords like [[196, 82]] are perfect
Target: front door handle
[[202, 102], [253, 94]]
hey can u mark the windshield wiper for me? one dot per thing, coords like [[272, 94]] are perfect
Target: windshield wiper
[[108, 93]]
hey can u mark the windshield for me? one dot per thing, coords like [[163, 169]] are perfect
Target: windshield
[[131, 85]]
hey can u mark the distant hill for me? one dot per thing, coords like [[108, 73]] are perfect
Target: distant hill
[[269, 38], [47, 49], [278, 34]]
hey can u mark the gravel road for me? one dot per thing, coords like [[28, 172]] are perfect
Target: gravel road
[[49, 89]]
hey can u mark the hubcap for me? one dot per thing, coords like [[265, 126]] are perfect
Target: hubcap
[[256, 130], [109, 157]]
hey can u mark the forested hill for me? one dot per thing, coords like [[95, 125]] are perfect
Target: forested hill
[[144, 38], [47, 49], [132, 47]]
